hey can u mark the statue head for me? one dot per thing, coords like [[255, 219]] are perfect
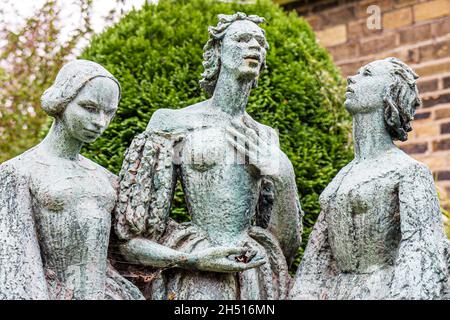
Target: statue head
[[83, 98], [389, 84], [236, 44]]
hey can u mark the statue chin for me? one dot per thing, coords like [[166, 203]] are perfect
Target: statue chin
[[350, 106], [248, 74]]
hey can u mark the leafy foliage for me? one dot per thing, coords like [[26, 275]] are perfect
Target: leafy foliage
[[156, 53], [30, 58]]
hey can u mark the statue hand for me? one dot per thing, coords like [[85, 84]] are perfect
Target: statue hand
[[225, 259], [261, 149]]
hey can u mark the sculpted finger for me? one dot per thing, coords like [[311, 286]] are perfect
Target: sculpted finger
[[237, 250], [255, 264], [235, 133], [241, 149], [250, 123], [249, 132], [242, 140]]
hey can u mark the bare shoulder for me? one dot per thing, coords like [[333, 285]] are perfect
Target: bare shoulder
[[264, 129], [409, 167], [91, 165], [22, 164], [173, 120]]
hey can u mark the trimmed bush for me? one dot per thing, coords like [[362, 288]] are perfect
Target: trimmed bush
[[156, 53]]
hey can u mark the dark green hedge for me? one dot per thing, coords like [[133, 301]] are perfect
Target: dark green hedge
[[156, 53]]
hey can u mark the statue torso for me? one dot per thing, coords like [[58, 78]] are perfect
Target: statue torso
[[221, 189], [362, 212], [72, 203]]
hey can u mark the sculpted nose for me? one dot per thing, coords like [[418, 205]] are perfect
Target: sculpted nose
[[101, 120], [253, 44], [350, 80]]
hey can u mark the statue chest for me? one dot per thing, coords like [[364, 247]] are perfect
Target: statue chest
[[72, 208], [363, 218], [64, 188], [208, 148], [221, 189]]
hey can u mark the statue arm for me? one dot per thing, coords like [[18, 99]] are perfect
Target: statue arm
[[317, 264], [279, 200], [22, 273], [147, 181], [420, 265]]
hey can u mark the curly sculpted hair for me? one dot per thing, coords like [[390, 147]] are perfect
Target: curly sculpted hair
[[401, 99]]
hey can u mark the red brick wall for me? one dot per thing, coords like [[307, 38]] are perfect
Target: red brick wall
[[416, 31]]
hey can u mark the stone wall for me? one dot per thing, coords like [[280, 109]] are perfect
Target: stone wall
[[416, 31]]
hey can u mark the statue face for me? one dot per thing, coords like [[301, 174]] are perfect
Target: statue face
[[243, 49], [89, 114], [365, 90]]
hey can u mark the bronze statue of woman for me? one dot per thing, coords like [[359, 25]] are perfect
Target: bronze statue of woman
[[56, 205], [239, 186], [380, 234]]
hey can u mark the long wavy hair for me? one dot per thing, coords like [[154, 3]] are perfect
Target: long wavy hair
[[211, 55]]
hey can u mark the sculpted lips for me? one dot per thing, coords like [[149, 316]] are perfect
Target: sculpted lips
[[252, 58], [349, 89]]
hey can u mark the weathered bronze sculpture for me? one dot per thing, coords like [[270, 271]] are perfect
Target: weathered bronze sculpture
[[55, 205], [380, 233], [232, 172]]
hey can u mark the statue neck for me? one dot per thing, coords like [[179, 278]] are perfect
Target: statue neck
[[370, 135], [60, 143], [231, 94]]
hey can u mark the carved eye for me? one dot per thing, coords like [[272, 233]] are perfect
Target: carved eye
[[367, 72], [261, 41], [89, 107], [243, 38]]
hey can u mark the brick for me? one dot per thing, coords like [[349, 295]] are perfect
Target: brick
[[415, 148], [440, 28], [432, 161], [409, 56], [429, 102], [358, 29], [432, 69], [429, 130], [333, 36], [446, 82], [415, 34], [445, 128], [378, 44], [442, 113], [442, 175], [315, 22], [344, 51], [339, 15], [435, 50], [422, 116], [397, 18], [361, 8], [324, 5], [443, 144], [403, 3], [427, 85], [431, 9], [351, 68]]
